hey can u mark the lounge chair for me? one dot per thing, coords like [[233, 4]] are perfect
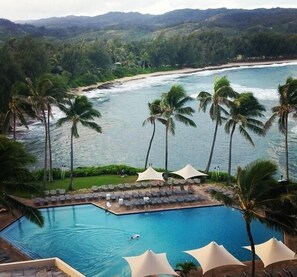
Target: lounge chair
[[62, 198], [46, 200], [53, 192], [127, 186], [138, 185], [121, 186], [95, 188], [113, 197], [96, 195], [110, 187], [61, 191], [155, 193], [76, 197], [128, 204], [53, 199], [83, 197], [147, 193], [141, 194], [104, 188], [162, 193], [68, 197], [89, 196], [135, 194], [144, 185], [127, 195], [37, 201]]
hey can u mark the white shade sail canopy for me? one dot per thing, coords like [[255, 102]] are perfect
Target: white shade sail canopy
[[149, 263], [212, 256], [189, 172], [273, 251], [150, 174]]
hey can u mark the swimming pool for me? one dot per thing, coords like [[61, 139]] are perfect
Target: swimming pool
[[94, 242]]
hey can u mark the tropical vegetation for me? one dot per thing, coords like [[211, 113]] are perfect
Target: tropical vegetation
[[14, 176], [287, 94], [257, 195], [217, 112], [173, 108], [244, 111], [79, 110], [155, 112]]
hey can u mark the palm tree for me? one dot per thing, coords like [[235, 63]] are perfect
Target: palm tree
[[186, 267], [155, 112], [18, 107], [173, 108], [287, 104], [257, 195], [243, 113], [78, 110], [13, 163], [222, 93], [56, 94], [40, 99]]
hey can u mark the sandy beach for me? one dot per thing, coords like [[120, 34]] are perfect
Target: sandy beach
[[178, 71]]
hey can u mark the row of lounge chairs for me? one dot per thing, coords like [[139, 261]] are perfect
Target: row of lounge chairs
[[139, 185], [180, 196], [158, 201], [54, 192]]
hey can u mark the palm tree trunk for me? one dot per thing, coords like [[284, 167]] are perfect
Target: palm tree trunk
[[71, 163], [212, 147], [230, 153], [249, 233], [150, 145], [287, 148], [14, 126], [45, 150], [166, 154], [50, 174]]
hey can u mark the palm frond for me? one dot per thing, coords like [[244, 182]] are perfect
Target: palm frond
[[33, 215]]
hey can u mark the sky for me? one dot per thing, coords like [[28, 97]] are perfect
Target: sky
[[15, 10]]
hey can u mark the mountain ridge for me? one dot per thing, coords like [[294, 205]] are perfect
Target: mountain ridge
[[136, 26]]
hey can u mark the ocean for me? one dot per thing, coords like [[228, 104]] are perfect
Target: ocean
[[125, 141]]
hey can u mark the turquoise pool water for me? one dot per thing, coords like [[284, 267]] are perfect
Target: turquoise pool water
[[94, 242]]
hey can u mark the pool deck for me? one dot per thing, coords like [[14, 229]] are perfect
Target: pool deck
[[11, 254]]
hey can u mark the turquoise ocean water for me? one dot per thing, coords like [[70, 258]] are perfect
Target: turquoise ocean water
[[125, 141], [95, 242]]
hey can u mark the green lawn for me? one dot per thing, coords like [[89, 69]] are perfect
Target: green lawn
[[88, 182]]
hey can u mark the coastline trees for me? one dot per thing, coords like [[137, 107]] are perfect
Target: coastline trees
[[155, 112], [287, 105], [40, 98], [243, 113], [258, 195], [18, 107], [78, 110], [13, 163], [173, 108], [217, 113]]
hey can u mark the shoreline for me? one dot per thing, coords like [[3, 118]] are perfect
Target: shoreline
[[108, 84]]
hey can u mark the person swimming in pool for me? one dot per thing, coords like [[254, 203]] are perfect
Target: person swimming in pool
[[135, 236]]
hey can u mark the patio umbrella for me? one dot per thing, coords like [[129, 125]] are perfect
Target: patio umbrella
[[149, 263], [149, 175], [212, 256], [188, 172], [273, 251]]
